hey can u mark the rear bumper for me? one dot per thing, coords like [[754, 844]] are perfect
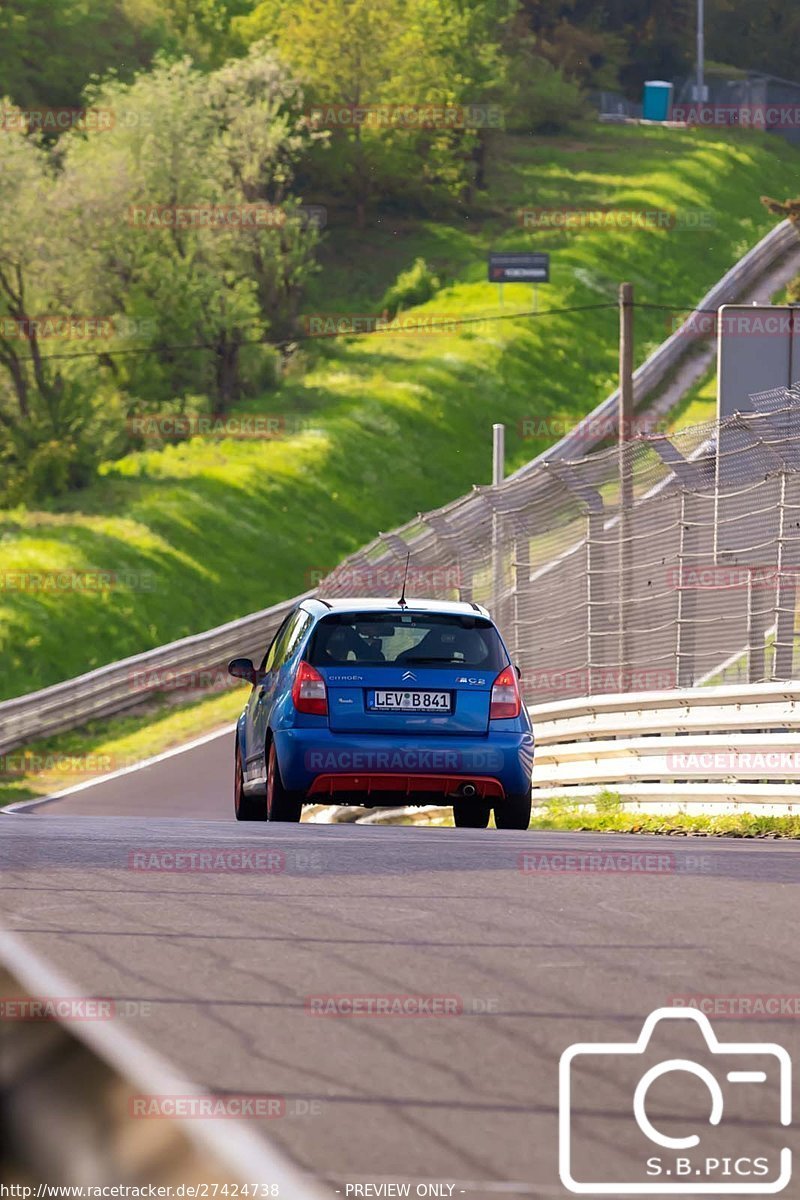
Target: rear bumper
[[342, 764], [402, 788]]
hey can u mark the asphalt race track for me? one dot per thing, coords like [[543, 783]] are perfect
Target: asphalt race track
[[526, 957], [195, 783]]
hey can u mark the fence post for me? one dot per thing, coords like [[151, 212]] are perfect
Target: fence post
[[686, 621], [756, 629], [598, 628], [522, 586], [785, 595], [599, 612], [625, 463]]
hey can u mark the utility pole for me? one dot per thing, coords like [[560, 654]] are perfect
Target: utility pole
[[701, 51], [625, 361], [625, 434]]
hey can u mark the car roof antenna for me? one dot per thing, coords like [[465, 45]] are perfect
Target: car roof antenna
[[402, 600]]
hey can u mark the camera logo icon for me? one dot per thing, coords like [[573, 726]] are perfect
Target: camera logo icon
[[675, 1112]]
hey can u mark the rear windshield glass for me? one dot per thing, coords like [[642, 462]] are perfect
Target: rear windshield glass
[[422, 639]]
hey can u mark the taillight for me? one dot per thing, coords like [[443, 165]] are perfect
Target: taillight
[[308, 691], [505, 696]]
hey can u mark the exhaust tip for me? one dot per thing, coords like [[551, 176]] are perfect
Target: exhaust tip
[[469, 790]]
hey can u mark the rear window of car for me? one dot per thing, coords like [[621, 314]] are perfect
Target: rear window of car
[[416, 639]]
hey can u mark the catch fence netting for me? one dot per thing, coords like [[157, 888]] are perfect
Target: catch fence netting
[[670, 562]]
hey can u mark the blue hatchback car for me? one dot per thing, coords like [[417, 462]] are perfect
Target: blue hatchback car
[[381, 703]]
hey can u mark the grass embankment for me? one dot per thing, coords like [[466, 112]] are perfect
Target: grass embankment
[[698, 405], [392, 424], [102, 747], [611, 817], [567, 816]]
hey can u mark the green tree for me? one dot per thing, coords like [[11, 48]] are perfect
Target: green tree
[[50, 429], [756, 35], [618, 43], [185, 149], [25, 190], [198, 28], [120, 225], [416, 55], [49, 51]]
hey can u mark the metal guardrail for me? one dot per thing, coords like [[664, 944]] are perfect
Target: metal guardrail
[[733, 747], [120, 685], [729, 744], [68, 1095], [123, 684]]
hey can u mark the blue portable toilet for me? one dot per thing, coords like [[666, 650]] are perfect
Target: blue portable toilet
[[657, 100]]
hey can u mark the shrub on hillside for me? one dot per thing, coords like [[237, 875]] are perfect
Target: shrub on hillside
[[417, 285], [60, 445], [543, 99]]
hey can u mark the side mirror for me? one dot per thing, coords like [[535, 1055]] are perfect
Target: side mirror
[[242, 668]]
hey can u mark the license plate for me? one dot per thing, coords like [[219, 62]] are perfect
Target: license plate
[[397, 701]]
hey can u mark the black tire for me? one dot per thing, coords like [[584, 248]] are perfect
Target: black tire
[[282, 805], [514, 812], [471, 814], [247, 808]]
